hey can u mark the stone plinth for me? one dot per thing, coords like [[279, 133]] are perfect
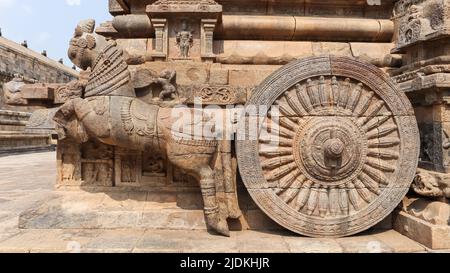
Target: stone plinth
[[13, 135], [426, 222], [182, 210], [33, 188], [72, 208]]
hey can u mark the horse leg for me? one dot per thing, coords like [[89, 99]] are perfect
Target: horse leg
[[214, 218], [234, 211], [62, 118]]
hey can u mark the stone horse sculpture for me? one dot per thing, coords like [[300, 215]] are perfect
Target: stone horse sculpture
[[110, 112]]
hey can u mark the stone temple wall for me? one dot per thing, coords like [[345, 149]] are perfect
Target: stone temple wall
[[32, 66]]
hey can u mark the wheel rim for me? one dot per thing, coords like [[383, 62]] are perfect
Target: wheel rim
[[345, 150]]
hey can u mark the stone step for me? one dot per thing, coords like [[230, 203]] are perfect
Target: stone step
[[5, 132], [12, 125], [14, 115], [119, 210], [13, 128], [198, 241], [20, 142], [13, 121], [26, 149], [15, 139], [146, 210]]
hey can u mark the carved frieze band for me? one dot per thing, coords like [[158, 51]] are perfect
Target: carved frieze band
[[214, 95]]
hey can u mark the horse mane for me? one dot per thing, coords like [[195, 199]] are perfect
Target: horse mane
[[110, 74]]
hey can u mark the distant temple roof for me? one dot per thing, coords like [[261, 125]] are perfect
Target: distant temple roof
[[18, 49]]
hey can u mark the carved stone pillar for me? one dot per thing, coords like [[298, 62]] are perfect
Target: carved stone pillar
[[161, 39], [423, 37], [207, 37]]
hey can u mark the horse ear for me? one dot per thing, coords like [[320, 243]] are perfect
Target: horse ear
[[87, 26], [90, 41]]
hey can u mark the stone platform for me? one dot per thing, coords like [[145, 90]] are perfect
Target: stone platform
[[14, 139], [27, 184]]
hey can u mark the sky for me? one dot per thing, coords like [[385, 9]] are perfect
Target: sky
[[48, 24]]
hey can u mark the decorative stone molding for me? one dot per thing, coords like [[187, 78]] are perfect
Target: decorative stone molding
[[161, 39], [184, 6], [207, 39], [214, 94]]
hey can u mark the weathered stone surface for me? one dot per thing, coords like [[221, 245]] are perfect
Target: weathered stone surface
[[17, 193], [308, 245], [364, 244], [128, 210], [432, 184], [424, 221], [32, 66], [398, 244], [14, 138], [420, 21], [22, 65], [424, 77], [432, 236], [166, 241]]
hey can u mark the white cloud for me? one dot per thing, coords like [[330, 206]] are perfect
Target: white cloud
[[72, 2], [6, 3]]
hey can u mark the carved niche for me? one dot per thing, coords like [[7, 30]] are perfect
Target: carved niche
[[137, 169], [184, 29], [97, 164], [69, 163]]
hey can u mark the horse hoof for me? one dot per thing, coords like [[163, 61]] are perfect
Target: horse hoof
[[218, 224], [222, 229], [234, 212]]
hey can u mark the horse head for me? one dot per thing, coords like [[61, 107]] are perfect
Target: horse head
[[86, 46]]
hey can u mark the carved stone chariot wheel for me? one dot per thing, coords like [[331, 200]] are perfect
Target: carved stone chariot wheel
[[337, 150]]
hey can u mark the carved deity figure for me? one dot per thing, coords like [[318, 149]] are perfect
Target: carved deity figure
[[166, 79], [68, 168], [104, 174], [154, 165], [185, 40], [90, 172], [416, 25], [128, 174]]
